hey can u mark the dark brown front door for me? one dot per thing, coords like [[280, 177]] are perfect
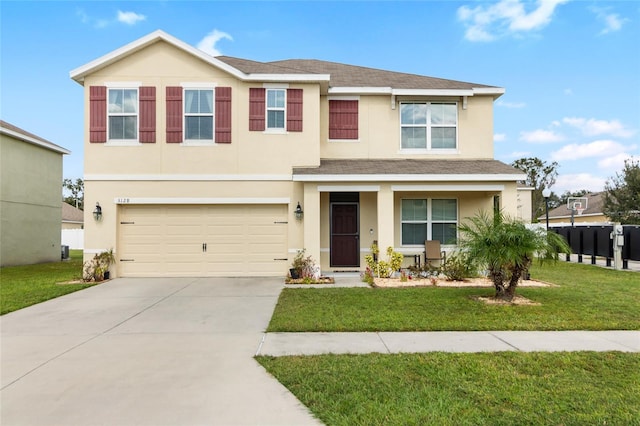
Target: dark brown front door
[[345, 241]]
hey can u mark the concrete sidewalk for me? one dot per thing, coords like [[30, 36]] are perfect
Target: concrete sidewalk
[[280, 344]]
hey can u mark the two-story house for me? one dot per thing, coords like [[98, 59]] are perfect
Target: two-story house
[[219, 166]]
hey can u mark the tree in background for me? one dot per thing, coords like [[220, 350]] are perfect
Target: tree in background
[[75, 192], [540, 175], [622, 194]]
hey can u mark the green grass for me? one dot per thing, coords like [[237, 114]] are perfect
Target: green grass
[[581, 388], [585, 298], [23, 286]]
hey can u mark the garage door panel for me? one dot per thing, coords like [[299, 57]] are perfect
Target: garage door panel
[[168, 240]]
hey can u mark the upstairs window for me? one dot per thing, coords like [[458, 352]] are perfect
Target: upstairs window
[[198, 114], [428, 125], [276, 101], [123, 114]]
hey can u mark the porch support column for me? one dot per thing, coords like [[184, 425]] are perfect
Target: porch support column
[[311, 221], [385, 219]]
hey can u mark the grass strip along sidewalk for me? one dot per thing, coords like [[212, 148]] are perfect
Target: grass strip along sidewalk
[[503, 388], [584, 298], [27, 285]]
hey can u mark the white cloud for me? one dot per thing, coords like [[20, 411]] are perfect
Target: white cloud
[[541, 136], [593, 127], [578, 181], [601, 148], [486, 23], [511, 104], [499, 137], [614, 163], [612, 21], [130, 18], [208, 43]]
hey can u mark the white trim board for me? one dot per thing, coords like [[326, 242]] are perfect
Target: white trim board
[[195, 178], [407, 178], [178, 201], [468, 187], [348, 188]]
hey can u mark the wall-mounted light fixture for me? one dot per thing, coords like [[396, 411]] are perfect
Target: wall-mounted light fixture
[[298, 211], [97, 213]]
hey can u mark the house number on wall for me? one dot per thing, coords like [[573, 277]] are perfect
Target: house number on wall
[[123, 200]]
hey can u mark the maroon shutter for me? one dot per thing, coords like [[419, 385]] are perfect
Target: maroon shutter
[[147, 114], [343, 119], [257, 106], [223, 114], [294, 110], [174, 114], [97, 114]]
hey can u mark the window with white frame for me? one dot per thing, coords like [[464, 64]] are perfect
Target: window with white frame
[[429, 219], [198, 114], [428, 125], [276, 102], [123, 114]]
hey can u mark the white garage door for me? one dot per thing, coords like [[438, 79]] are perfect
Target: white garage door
[[202, 240]]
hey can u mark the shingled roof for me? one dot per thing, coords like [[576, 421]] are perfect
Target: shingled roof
[[344, 75], [451, 169]]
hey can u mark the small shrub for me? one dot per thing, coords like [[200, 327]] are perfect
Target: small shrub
[[458, 266], [383, 268], [305, 266], [96, 268], [367, 276]]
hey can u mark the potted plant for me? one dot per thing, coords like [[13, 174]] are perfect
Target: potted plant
[[97, 269]]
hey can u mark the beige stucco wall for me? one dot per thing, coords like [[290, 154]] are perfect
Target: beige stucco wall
[[379, 130], [249, 152], [30, 194]]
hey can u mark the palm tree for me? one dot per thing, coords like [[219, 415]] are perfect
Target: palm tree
[[506, 247]]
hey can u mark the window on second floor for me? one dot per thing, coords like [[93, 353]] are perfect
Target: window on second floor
[[429, 219], [123, 114], [428, 125], [276, 101], [198, 114]]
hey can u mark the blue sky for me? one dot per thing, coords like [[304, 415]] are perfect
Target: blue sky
[[571, 69]]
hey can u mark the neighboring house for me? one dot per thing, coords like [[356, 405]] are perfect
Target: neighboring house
[[199, 163], [592, 214], [30, 191], [72, 217]]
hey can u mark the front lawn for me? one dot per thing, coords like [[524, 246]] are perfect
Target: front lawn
[[506, 388], [27, 285], [585, 298]]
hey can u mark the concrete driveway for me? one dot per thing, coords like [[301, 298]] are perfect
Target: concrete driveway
[[143, 351]]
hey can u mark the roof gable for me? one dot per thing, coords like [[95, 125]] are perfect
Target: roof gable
[[80, 73]]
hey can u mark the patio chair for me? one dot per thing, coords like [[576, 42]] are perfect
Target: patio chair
[[433, 252]]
